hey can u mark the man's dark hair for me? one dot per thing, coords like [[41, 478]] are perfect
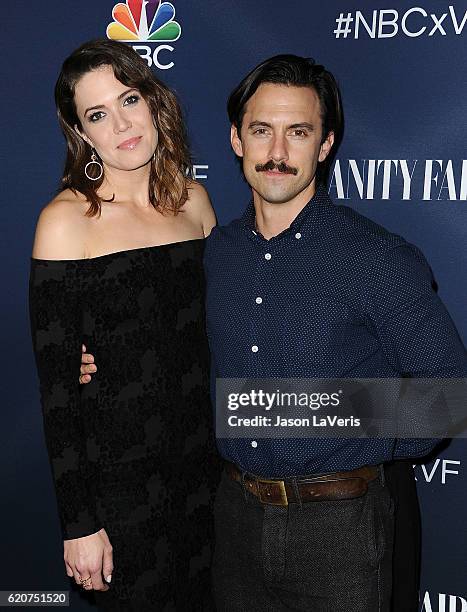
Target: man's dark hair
[[299, 72]]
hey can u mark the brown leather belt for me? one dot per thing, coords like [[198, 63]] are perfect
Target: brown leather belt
[[324, 487]]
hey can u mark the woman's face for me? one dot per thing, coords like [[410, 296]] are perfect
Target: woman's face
[[115, 120]]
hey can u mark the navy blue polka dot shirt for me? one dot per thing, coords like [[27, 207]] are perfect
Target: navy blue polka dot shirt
[[334, 295]]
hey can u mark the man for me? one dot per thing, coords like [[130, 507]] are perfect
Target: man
[[298, 287]]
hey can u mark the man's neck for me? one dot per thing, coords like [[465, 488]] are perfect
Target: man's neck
[[272, 219]]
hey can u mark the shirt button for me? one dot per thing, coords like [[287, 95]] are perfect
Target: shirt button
[[254, 444], [254, 348], [259, 300], [298, 235], [268, 256]]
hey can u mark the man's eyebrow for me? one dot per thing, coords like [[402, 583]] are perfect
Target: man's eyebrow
[[254, 124], [294, 126], [122, 95], [305, 124]]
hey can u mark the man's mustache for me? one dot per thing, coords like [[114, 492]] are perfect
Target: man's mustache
[[270, 165]]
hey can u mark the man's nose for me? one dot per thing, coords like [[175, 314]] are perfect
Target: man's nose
[[278, 150]]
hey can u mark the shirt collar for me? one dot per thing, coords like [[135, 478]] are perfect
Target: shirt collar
[[309, 214]]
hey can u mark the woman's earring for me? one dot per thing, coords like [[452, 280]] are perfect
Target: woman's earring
[[93, 161]]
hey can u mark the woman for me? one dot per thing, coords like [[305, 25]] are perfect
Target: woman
[[117, 263]]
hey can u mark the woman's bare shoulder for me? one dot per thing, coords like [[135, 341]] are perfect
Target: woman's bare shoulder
[[199, 207], [61, 227]]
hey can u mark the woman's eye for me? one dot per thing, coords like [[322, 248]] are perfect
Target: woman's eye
[[131, 99], [95, 116]]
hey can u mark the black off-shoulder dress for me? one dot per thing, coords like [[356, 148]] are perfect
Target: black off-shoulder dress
[[133, 451]]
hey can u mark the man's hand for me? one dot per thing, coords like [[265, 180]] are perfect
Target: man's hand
[[88, 366], [89, 557]]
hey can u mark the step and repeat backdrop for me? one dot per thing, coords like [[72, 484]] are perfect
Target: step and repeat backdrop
[[402, 162]]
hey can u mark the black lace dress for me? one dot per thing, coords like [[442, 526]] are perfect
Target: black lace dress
[[133, 451]]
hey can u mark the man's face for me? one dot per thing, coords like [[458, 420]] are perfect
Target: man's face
[[280, 141]]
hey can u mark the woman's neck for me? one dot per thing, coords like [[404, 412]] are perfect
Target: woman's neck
[[127, 185]]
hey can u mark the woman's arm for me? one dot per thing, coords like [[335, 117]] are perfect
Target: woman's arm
[[61, 229], [200, 207], [55, 314], [56, 288]]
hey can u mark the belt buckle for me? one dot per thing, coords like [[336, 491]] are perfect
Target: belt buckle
[[283, 493]]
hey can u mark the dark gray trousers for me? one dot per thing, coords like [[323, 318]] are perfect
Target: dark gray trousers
[[326, 556]]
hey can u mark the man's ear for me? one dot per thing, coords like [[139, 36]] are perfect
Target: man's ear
[[235, 141], [326, 147], [83, 136]]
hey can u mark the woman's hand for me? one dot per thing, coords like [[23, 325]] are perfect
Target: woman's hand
[[90, 556], [88, 366]]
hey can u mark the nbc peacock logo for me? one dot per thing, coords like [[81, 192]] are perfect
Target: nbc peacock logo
[[145, 21]]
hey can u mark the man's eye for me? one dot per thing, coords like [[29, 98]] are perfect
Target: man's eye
[[131, 99], [95, 116], [299, 133], [260, 131]]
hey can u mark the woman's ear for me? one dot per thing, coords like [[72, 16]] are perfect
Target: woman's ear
[[83, 136]]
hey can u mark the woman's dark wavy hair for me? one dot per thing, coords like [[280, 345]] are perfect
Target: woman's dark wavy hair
[[168, 182], [298, 71]]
